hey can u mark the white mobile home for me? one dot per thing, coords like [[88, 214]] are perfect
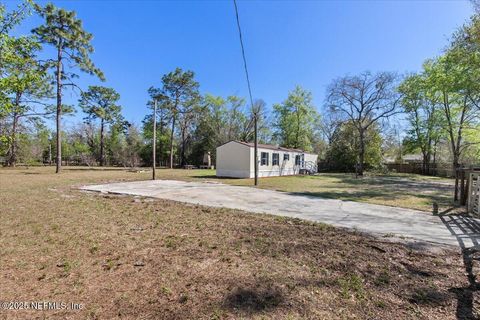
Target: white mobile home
[[236, 159]]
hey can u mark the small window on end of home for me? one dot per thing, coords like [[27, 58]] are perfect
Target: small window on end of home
[[275, 159], [264, 159], [286, 157], [297, 160]]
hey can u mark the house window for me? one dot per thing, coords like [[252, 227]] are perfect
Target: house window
[[275, 159], [264, 159], [297, 160], [286, 157]]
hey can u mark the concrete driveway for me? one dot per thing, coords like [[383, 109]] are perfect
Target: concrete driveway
[[417, 227]]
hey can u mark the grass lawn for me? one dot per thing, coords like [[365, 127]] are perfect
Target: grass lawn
[[139, 258]]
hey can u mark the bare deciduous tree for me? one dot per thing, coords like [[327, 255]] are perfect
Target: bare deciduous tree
[[364, 99]]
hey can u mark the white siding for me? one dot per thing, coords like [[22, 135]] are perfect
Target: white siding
[[311, 157], [285, 167], [233, 160], [237, 160]]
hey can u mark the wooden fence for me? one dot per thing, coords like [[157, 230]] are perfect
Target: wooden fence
[[473, 198], [439, 170]]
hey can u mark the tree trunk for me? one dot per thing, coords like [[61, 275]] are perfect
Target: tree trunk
[[297, 135], [160, 145], [427, 163], [424, 163], [49, 153], [12, 157], [59, 108], [361, 154], [102, 143], [171, 142], [434, 163], [11, 154], [456, 148], [428, 156], [456, 161], [456, 175], [182, 154]]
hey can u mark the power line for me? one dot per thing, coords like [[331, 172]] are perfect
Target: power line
[[243, 53], [255, 116]]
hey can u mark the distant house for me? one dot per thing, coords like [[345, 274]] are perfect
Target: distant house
[[407, 158], [412, 158], [236, 159]]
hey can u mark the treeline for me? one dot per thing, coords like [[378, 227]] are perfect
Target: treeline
[[360, 126], [442, 102]]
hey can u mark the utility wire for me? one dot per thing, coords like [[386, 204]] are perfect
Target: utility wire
[[243, 54], [251, 99]]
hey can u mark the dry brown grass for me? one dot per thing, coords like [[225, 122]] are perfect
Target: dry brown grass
[[139, 258]]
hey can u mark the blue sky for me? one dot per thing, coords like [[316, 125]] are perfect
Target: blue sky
[[308, 43]]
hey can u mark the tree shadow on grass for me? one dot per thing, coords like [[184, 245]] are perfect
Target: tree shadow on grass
[[252, 300], [212, 176], [347, 196], [393, 181], [99, 169], [429, 296], [366, 195]]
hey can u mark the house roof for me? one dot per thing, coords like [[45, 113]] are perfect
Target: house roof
[[268, 146], [412, 157]]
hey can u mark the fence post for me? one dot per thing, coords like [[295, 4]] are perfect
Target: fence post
[[473, 191]]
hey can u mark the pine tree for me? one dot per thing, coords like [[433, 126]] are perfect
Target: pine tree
[[26, 84], [64, 31], [180, 93], [101, 103]]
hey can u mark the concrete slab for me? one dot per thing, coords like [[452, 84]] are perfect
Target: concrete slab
[[417, 226]]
